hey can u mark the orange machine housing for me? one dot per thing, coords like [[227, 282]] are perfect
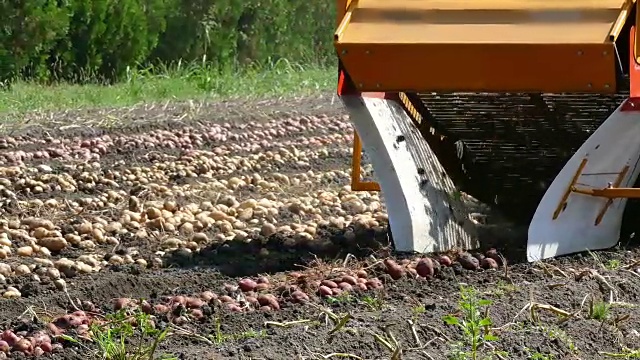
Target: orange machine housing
[[547, 46]]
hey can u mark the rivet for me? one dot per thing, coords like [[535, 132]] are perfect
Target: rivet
[[605, 53], [378, 86], [580, 53], [606, 86], [589, 85], [344, 52], [367, 52], [400, 138]]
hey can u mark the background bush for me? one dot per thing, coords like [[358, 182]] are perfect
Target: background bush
[[98, 40]]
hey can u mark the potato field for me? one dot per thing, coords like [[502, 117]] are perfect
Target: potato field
[[228, 230]]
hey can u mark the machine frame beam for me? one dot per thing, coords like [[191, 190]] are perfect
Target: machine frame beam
[[554, 47]]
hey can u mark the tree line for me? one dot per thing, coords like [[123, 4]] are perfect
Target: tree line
[[99, 40]]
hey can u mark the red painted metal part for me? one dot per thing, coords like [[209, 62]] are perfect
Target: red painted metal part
[[347, 87], [633, 102]]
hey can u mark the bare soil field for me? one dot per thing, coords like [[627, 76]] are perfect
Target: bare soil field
[[228, 231]]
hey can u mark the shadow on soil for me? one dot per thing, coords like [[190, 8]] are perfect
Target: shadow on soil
[[278, 253]]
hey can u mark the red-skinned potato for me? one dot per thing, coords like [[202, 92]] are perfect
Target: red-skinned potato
[[444, 260], [362, 287], [180, 320], [424, 268], [262, 287], [37, 351], [161, 308], [493, 254], [268, 300], [469, 262], [344, 286], [299, 296], [46, 347], [226, 299], [194, 303], [179, 299], [40, 337], [146, 308], [197, 314], [4, 346], [234, 307], [374, 283], [328, 283], [208, 296], [247, 285], [89, 306], [54, 329], [362, 274], [489, 263], [23, 345], [121, 303], [394, 270], [252, 300], [324, 291], [295, 275], [349, 279], [10, 337], [263, 280]]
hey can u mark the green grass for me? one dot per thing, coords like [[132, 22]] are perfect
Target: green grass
[[178, 82]]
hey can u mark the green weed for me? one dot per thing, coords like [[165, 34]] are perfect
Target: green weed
[[118, 339], [599, 310], [625, 354], [218, 336], [474, 323], [374, 303], [614, 264]]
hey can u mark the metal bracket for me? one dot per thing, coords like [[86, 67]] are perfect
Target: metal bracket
[[613, 191], [356, 183]]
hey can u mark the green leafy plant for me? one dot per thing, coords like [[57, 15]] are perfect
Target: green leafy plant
[[599, 310], [474, 323], [115, 337]]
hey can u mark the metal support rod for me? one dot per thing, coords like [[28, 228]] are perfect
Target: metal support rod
[[356, 183]]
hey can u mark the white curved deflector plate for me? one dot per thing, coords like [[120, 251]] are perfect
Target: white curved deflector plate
[[424, 215], [614, 145]]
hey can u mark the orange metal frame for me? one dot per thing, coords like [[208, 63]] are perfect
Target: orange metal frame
[[356, 182], [609, 193], [397, 66], [385, 47], [495, 67]]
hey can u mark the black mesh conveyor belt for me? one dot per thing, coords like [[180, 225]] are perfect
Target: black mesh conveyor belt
[[514, 144]]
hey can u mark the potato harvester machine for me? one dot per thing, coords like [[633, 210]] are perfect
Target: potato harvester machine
[[532, 106]]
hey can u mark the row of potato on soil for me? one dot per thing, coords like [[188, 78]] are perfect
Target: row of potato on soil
[[247, 295]]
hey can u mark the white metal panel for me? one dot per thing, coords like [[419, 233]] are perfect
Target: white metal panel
[[614, 145], [424, 214]]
